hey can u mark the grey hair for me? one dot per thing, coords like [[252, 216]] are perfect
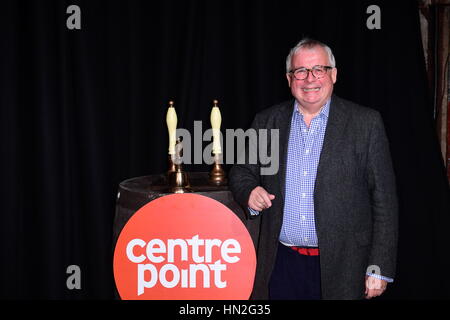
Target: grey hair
[[309, 44]]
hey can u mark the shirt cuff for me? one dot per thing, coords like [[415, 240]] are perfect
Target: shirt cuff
[[253, 212], [378, 276]]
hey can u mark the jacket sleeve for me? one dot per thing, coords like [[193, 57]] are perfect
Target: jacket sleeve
[[244, 176], [381, 180]]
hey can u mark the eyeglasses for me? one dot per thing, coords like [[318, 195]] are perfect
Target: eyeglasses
[[317, 71]]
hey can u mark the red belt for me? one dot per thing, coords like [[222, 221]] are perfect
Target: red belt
[[307, 251]]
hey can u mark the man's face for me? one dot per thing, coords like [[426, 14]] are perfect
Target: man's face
[[311, 93]]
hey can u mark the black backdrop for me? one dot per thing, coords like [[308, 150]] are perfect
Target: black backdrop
[[82, 110]]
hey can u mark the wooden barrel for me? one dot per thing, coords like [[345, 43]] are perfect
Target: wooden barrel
[[136, 192]]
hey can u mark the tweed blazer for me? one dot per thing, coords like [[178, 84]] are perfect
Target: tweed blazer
[[355, 201]]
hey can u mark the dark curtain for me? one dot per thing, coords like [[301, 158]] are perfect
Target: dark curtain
[[82, 110]]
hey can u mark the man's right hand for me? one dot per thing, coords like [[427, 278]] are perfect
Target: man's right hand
[[260, 199]]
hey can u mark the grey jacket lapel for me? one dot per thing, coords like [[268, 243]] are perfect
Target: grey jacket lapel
[[285, 128], [334, 134]]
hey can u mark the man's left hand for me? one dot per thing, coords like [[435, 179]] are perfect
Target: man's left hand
[[374, 287]]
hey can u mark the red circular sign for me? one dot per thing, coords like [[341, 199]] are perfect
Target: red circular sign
[[184, 246]]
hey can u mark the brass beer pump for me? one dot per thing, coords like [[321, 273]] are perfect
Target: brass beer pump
[[171, 120], [178, 180], [217, 175]]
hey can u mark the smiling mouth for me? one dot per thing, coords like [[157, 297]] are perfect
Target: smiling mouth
[[311, 89]]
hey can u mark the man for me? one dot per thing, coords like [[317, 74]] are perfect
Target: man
[[327, 220]]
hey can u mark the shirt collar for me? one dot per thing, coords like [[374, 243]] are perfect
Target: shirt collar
[[325, 111]]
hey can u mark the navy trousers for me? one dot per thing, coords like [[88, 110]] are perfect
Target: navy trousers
[[295, 276]]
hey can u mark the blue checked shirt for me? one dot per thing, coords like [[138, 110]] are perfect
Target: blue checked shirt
[[304, 148], [305, 145]]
